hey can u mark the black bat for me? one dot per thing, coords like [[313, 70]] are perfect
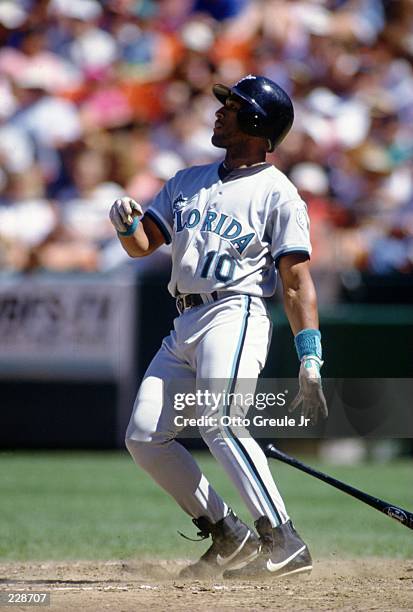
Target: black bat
[[399, 514]]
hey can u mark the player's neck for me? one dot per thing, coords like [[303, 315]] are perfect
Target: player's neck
[[242, 160], [232, 165]]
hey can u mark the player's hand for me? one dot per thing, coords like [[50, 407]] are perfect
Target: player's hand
[[310, 397], [123, 212]]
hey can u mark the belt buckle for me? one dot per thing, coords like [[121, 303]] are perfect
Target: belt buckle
[[179, 304], [182, 303]]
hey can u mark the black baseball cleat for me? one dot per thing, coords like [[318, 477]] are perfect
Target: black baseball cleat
[[234, 545], [283, 553]]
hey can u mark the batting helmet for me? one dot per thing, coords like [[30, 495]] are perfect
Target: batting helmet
[[267, 110]]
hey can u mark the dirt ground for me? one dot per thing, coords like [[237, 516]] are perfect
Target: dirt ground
[[361, 584]]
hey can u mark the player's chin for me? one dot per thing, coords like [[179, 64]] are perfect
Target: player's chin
[[218, 140]]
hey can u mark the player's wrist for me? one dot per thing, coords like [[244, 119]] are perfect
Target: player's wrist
[[131, 229], [312, 358], [308, 345]]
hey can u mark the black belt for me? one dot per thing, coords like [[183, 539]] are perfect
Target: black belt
[[189, 300]]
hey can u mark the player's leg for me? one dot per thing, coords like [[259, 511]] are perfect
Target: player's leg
[[150, 439], [242, 338], [235, 347]]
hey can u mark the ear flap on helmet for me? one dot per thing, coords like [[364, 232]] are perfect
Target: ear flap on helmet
[[255, 125], [249, 122]]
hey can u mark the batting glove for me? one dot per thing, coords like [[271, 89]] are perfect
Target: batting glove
[[310, 396], [123, 212]]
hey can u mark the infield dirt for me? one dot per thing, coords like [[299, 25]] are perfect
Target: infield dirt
[[359, 584]]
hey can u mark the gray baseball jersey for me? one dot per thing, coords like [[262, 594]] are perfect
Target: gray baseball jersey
[[227, 229]]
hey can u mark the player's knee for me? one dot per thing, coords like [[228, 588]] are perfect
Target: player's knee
[[140, 451], [145, 433], [131, 444], [141, 441], [147, 452]]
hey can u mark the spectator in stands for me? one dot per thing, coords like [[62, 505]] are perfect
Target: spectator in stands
[[93, 93]]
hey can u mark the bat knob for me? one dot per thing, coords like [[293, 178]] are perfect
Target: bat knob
[[270, 448]]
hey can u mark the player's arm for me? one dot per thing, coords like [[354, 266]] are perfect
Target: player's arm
[[138, 237], [300, 304], [300, 300]]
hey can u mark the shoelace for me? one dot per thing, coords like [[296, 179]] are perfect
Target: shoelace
[[203, 536]]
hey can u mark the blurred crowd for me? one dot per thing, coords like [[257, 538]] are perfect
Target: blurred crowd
[[100, 99]]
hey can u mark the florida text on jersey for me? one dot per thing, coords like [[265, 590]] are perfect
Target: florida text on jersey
[[229, 229]]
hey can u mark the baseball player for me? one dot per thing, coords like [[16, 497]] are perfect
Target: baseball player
[[234, 227]]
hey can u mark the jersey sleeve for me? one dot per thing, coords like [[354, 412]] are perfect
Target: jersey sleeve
[[160, 211], [290, 230]]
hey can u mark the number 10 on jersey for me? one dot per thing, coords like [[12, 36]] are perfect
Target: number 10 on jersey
[[220, 266]]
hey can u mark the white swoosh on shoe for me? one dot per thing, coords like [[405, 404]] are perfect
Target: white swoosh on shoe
[[224, 560], [273, 567]]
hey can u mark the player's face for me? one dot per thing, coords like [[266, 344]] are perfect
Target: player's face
[[226, 129]]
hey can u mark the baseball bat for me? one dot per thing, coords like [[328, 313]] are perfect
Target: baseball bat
[[399, 514]]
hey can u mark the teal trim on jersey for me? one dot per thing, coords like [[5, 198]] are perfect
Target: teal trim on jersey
[[160, 225], [248, 462], [288, 252]]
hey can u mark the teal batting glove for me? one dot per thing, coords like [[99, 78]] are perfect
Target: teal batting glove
[[310, 398]]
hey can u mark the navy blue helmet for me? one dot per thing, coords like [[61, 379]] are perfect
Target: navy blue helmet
[[267, 110]]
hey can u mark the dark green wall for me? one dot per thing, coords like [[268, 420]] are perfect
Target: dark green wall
[[358, 341]]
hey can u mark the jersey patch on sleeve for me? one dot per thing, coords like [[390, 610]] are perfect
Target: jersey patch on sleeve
[[301, 217]]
